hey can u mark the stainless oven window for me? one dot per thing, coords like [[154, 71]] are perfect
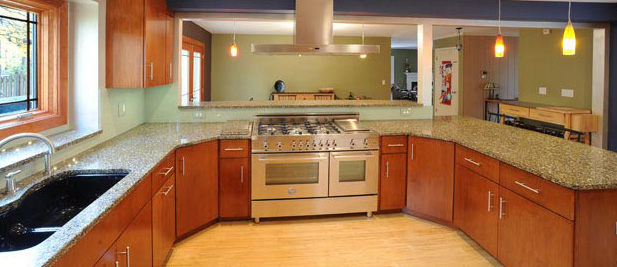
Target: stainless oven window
[[292, 173], [352, 171]]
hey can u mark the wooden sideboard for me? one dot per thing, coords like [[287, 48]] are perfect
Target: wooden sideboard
[[302, 96], [580, 120]]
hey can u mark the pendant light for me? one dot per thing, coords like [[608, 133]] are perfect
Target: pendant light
[[569, 38], [459, 44], [362, 56], [500, 48], [234, 47]]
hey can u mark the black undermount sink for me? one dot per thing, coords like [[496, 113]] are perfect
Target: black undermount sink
[[45, 210]]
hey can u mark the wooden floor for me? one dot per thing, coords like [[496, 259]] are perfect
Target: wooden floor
[[384, 240]]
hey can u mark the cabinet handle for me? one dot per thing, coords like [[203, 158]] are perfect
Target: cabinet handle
[[501, 213], [168, 170], [412, 148], [387, 169], [168, 190], [242, 174], [395, 145], [117, 263], [151, 71], [171, 70], [490, 200], [234, 149], [128, 255], [523, 185], [472, 162], [182, 166]]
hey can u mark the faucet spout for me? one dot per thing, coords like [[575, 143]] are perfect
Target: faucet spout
[[51, 149]]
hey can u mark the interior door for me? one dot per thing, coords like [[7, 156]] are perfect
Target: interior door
[[354, 173], [445, 96], [193, 64]]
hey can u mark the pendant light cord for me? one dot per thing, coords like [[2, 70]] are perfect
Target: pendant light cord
[[499, 24], [234, 32], [569, 11], [362, 34]]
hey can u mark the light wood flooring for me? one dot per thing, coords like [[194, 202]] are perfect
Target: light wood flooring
[[384, 240]]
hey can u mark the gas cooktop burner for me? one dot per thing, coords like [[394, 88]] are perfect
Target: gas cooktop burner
[[298, 128]]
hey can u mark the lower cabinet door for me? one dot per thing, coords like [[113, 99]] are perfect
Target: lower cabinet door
[[234, 180], [392, 181], [163, 221], [475, 208], [134, 246], [530, 235]]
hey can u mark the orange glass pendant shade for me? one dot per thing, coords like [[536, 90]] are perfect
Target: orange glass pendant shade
[[569, 41], [500, 48], [233, 51]]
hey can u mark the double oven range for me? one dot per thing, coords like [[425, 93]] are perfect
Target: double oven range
[[312, 164]]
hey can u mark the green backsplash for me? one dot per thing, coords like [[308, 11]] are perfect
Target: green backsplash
[[252, 76], [541, 64]]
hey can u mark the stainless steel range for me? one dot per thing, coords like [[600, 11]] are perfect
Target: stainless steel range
[[311, 164]]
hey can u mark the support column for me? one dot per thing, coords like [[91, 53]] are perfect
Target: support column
[[425, 64], [599, 86]]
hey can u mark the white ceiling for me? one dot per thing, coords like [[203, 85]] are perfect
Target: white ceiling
[[403, 36]]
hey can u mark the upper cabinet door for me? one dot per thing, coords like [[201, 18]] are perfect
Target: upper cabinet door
[[155, 42], [430, 184], [169, 49], [197, 186], [124, 57]]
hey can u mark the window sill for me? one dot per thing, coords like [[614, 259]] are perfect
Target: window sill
[[19, 155]]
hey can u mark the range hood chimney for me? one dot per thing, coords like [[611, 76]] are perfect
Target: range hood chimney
[[314, 34]]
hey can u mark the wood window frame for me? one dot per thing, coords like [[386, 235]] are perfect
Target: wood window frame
[[194, 43], [52, 68]]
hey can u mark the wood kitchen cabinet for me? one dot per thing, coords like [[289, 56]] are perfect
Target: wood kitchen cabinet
[[134, 246], [430, 178], [196, 187], [235, 198], [392, 181], [169, 48], [475, 208], [138, 49], [163, 221], [531, 235]]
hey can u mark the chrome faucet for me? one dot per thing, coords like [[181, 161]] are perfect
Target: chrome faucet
[[51, 149], [10, 182]]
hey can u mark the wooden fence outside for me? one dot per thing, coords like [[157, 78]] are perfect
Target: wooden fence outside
[[13, 85]]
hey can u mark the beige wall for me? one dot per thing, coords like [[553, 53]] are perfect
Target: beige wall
[[541, 64], [252, 76]]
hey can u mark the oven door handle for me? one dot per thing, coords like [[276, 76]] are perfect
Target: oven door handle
[[353, 156], [290, 158]]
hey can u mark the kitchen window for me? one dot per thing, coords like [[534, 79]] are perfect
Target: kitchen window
[[33, 65]]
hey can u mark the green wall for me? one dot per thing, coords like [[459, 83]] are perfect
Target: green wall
[[252, 76], [541, 64], [399, 64]]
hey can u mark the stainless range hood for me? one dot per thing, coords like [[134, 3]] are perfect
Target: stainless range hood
[[314, 34]]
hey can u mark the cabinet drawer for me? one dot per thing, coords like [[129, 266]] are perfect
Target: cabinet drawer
[[552, 196], [162, 172], [514, 110], [547, 116], [478, 163], [234, 148], [393, 144]]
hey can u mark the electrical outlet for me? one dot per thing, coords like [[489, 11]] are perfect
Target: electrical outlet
[[121, 109], [542, 90], [198, 115], [567, 92], [383, 82], [406, 112]]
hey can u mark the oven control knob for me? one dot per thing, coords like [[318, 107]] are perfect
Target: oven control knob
[[334, 143], [280, 145], [366, 142], [327, 142], [291, 191], [265, 144], [314, 143], [352, 143], [293, 144]]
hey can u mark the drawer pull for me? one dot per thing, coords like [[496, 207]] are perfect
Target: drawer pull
[[168, 190], [523, 185], [490, 200], [234, 149], [167, 171], [396, 145], [501, 213], [472, 162]]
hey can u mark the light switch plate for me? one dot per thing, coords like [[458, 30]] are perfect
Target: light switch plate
[[406, 112], [567, 92], [542, 90], [121, 109]]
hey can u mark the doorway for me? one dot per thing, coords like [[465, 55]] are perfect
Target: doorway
[[446, 96], [193, 64]]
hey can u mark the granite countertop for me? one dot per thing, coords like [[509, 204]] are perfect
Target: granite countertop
[[572, 165], [138, 151], [299, 104]]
